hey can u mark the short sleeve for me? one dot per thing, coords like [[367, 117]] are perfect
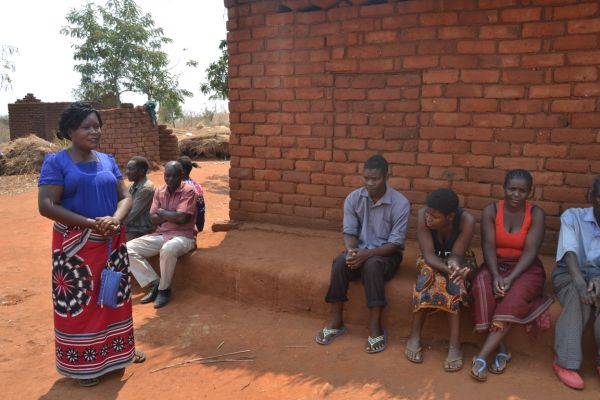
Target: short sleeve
[[187, 202], [115, 168], [567, 237], [51, 173]]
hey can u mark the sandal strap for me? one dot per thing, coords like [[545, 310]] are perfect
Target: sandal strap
[[506, 357], [329, 332], [374, 341], [483, 364]]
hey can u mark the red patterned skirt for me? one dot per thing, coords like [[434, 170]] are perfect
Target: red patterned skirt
[[90, 340], [524, 303]]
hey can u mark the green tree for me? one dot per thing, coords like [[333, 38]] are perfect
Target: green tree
[[170, 109], [216, 74], [119, 50], [7, 66]]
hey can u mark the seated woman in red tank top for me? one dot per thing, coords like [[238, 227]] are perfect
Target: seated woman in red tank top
[[509, 285]]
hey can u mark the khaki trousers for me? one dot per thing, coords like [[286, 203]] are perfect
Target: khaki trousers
[[141, 248]]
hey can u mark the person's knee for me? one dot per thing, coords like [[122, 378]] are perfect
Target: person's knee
[[169, 249], [339, 263], [373, 267]]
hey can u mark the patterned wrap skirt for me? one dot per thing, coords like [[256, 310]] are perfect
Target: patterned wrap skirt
[[433, 289], [524, 303], [90, 339]]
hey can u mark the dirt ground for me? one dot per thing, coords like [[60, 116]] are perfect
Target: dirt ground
[[288, 364]]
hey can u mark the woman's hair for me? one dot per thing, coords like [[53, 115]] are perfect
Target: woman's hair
[[187, 164], [444, 200], [73, 116], [141, 163], [518, 174], [377, 162]]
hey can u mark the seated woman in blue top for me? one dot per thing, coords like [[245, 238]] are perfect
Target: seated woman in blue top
[[82, 190]]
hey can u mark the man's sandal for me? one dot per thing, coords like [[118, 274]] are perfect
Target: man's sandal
[[376, 345], [414, 355], [500, 363], [480, 375], [327, 335]]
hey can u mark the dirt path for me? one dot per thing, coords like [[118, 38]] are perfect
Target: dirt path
[[288, 364]]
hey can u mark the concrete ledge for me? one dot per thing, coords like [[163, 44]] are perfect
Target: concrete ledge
[[287, 269]]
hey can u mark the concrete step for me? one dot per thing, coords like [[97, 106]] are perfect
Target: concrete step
[[287, 269]]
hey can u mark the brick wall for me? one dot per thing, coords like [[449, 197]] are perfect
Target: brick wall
[[169, 145], [30, 115], [452, 93], [128, 132]]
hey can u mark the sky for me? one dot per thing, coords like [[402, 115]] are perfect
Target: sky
[[44, 63]]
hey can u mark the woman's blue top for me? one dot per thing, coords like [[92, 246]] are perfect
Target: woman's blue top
[[89, 188]]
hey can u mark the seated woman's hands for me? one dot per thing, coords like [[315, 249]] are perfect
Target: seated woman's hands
[[501, 285], [457, 273]]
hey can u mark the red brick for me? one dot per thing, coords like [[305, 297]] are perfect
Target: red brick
[[381, 36], [521, 14], [476, 47], [521, 106], [586, 120], [587, 89], [546, 91], [473, 133], [417, 33], [447, 173], [478, 17], [584, 25], [457, 32], [575, 11], [590, 152], [546, 121], [428, 185], [257, 163], [492, 120], [486, 175], [281, 141], [438, 104], [453, 61], [443, 160], [340, 168], [267, 152], [567, 165], [474, 188], [573, 106], [267, 175], [480, 76], [507, 163], [579, 180], [569, 74], [523, 76], [575, 42], [463, 90], [543, 60], [565, 194], [499, 32], [312, 166], [444, 146], [349, 144], [437, 19], [380, 65], [420, 62], [351, 119], [282, 187], [478, 105], [384, 94], [544, 150], [584, 58], [267, 197], [325, 179], [415, 171], [520, 46], [451, 119], [402, 106], [499, 61], [440, 76], [338, 191], [504, 91], [547, 178], [387, 119], [570, 135], [397, 49], [543, 29], [490, 148], [437, 132]]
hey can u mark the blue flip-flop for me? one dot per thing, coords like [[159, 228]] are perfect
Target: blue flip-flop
[[495, 367], [479, 377], [328, 335]]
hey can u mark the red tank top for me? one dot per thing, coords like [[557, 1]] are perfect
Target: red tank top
[[511, 244]]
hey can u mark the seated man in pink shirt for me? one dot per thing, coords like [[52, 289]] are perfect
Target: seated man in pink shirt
[[174, 212]]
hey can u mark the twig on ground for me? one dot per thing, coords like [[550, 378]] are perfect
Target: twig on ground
[[220, 345], [245, 386], [227, 360], [199, 359]]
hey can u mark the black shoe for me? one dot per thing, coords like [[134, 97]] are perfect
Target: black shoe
[[163, 298], [151, 295]]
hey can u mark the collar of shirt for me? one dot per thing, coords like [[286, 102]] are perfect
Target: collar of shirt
[[591, 218], [385, 199], [178, 190]]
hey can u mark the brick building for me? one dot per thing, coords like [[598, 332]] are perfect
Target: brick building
[[452, 92]]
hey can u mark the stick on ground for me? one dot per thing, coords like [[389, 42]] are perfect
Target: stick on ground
[[199, 359]]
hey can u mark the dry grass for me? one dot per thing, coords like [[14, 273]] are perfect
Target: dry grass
[[199, 120], [24, 155]]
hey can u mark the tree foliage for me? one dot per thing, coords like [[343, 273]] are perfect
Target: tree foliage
[[216, 74], [7, 66], [118, 50]]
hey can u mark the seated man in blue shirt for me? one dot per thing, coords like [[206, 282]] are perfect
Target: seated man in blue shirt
[[375, 224], [576, 281]]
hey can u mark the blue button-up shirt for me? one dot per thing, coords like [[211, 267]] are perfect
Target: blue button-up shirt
[[579, 233], [376, 224]]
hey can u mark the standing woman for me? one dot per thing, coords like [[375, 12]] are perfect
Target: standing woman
[[509, 286], [82, 190], [444, 232]]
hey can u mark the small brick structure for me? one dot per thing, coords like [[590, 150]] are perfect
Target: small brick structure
[[453, 93], [127, 131]]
